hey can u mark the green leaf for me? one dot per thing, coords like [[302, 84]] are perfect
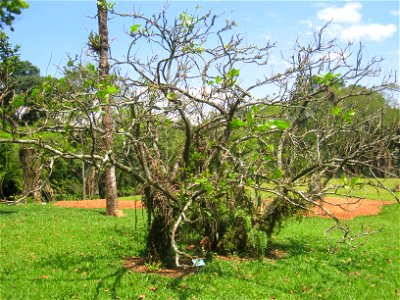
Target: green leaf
[[210, 82], [237, 123], [35, 92], [110, 5], [250, 118], [250, 181], [23, 4], [91, 67], [196, 155], [218, 79], [67, 128], [355, 180], [348, 116], [281, 124], [267, 158], [233, 73], [187, 20], [102, 94], [277, 174], [336, 111], [171, 96], [18, 102], [134, 28], [317, 79], [112, 89], [264, 127], [329, 76]]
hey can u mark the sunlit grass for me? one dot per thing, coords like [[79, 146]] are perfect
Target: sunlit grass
[[367, 191], [49, 252], [134, 197], [363, 189]]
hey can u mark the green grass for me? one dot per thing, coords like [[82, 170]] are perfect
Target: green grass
[[362, 190], [134, 197], [50, 252], [372, 192]]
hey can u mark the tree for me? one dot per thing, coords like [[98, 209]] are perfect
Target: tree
[[8, 10], [238, 164], [54, 112], [17, 77], [234, 142], [27, 77], [109, 173], [10, 174]]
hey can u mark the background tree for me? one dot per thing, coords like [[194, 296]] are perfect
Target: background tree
[[27, 77], [110, 180], [56, 114], [8, 10], [11, 71]]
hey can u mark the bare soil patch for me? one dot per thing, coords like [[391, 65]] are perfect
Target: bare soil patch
[[99, 203], [345, 209], [138, 265]]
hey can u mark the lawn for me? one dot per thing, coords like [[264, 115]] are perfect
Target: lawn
[[49, 252], [361, 189]]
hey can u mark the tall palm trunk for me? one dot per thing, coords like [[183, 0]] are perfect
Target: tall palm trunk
[[110, 178]]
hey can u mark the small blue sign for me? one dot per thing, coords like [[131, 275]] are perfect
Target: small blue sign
[[198, 262]]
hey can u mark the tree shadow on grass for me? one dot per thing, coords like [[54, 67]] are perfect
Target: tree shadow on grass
[[291, 247], [3, 212], [118, 274], [153, 279], [183, 292], [80, 264]]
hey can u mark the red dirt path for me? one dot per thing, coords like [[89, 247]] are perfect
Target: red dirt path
[[341, 208], [347, 209], [98, 203]]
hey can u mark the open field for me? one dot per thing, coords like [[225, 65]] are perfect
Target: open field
[[49, 252], [361, 190]]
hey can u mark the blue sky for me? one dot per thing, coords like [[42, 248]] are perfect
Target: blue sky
[[48, 30]]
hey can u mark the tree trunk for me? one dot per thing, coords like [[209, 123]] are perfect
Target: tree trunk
[[158, 247], [92, 183], [109, 173], [83, 181], [31, 173]]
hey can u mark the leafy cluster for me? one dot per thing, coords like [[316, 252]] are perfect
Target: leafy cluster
[[8, 10]]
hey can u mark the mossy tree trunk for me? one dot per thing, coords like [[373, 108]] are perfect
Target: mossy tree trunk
[[31, 173]]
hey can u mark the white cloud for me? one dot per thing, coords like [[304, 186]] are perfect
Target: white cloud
[[347, 23], [395, 12], [266, 36], [373, 32], [349, 13], [306, 22]]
